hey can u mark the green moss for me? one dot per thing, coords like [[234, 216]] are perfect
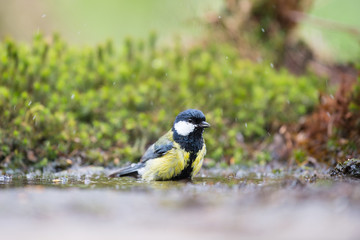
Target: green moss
[[100, 103], [299, 156]]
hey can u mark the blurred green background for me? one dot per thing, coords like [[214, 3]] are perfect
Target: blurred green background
[[332, 42], [91, 22]]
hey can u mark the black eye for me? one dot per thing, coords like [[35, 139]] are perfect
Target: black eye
[[190, 121]]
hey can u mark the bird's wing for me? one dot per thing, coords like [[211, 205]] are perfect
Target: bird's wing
[[131, 170], [160, 148]]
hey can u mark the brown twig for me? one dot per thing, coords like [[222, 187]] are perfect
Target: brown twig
[[297, 16]]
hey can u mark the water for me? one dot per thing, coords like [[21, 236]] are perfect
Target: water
[[221, 203]]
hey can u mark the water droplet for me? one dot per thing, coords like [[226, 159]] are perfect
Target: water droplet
[[262, 29], [226, 57], [30, 102], [72, 96], [34, 117], [219, 17], [43, 16], [64, 180], [246, 125], [114, 83], [271, 65], [332, 96]]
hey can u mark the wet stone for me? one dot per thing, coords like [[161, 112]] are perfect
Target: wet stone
[[350, 168]]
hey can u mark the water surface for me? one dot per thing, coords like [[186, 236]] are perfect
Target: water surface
[[219, 204]]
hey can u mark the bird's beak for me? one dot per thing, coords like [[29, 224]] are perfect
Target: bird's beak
[[204, 124]]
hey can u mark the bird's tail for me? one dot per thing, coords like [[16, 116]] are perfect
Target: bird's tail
[[131, 170]]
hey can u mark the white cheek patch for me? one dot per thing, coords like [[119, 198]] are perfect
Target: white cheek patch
[[184, 128]]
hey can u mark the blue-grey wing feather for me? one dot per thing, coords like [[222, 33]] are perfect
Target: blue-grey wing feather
[[158, 149]]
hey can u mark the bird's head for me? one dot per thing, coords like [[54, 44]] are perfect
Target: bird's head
[[190, 121]]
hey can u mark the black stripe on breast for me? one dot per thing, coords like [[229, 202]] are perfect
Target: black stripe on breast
[[187, 171]]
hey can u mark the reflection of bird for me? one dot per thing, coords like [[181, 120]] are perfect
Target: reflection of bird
[[177, 155]]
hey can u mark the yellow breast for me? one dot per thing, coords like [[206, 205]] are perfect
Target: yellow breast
[[167, 166], [196, 165]]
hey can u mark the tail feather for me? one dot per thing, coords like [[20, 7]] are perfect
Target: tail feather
[[131, 170]]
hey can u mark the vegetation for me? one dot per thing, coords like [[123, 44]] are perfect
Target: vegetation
[[103, 106], [265, 29], [331, 133]]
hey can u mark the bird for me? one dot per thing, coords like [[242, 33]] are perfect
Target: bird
[[177, 155]]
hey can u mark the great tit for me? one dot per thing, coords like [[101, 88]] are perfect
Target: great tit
[[177, 155]]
